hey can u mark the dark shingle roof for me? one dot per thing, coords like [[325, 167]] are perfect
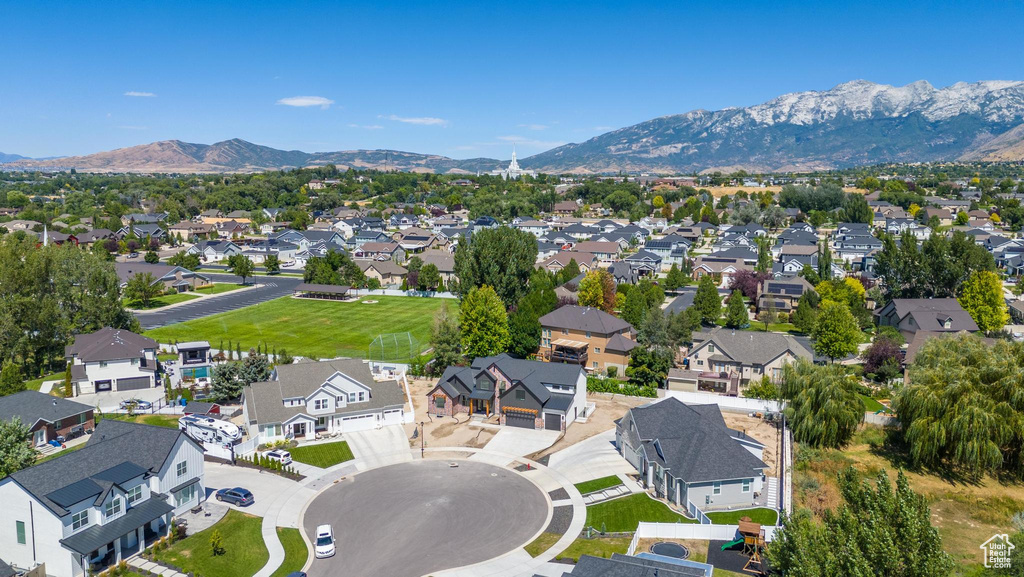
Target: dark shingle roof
[[589, 319], [31, 406], [108, 344]]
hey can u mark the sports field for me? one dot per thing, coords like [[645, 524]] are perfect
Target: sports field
[[312, 328]]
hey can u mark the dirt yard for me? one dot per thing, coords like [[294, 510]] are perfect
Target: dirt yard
[[609, 407], [760, 430], [443, 431]]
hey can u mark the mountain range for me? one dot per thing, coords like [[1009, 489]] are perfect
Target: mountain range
[[855, 123]]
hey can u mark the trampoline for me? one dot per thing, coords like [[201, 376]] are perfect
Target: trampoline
[[667, 549]]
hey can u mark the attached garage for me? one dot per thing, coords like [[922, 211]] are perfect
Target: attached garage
[[517, 419], [358, 423], [393, 417], [134, 383], [553, 421]]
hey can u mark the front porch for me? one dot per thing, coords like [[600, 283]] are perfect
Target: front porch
[[102, 546]]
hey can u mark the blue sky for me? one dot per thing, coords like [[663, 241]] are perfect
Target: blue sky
[[462, 79]]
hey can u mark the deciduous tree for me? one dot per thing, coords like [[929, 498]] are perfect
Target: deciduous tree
[[982, 297], [836, 333], [484, 323], [142, 288], [824, 409], [15, 452]]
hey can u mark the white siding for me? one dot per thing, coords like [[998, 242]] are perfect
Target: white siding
[[168, 478], [40, 524]]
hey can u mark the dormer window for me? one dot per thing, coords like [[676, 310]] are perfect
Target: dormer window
[[352, 397], [134, 495], [113, 508], [79, 520], [320, 404], [362, 396]]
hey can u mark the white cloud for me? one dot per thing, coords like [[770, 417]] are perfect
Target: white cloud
[[307, 101], [420, 120], [366, 126], [140, 94], [531, 142], [533, 126]]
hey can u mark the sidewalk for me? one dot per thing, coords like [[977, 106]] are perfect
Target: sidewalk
[[153, 567]]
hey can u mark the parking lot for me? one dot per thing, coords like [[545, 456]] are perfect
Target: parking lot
[[411, 519]]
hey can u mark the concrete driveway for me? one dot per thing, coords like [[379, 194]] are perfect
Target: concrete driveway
[[591, 458], [518, 442], [378, 447], [111, 400], [265, 487], [419, 518]]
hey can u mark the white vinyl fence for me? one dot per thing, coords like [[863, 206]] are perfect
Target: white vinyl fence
[[691, 531], [363, 293], [242, 449], [732, 404]]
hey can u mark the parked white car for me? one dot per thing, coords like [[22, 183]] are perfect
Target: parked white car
[[324, 542], [280, 455]]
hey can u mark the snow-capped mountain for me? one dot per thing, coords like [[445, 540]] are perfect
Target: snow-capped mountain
[[857, 122]]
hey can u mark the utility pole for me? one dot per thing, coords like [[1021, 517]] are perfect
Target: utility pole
[[423, 441]]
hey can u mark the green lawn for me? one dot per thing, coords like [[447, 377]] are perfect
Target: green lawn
[[871, 405], [161, 301], [598, 484], [169, 421], [773, 327], [761, 515], [164, 357], [542, 543], [244, 550], [324, 455], [307, 327], [218, 288], [34, 384], [295, 552], [625, 513], [601, 547]]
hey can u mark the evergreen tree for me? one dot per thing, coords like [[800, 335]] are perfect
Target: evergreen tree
[[15, 451], [736, 312], [706, 300], [824, 261], [11, 379]]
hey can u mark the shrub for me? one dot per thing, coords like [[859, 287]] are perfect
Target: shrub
[[598, 385]]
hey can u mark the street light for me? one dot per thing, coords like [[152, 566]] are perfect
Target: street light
[[423, 441]]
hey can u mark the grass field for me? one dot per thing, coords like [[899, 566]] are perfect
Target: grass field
[[600, 547], [161, 301], [965, 512], [760, 515], [168, 421], [307, 327], [324, 455], [244, 550], [625, 513], [218, 288], [295, 552], [34, 384], [542, 543], [598, 484], [871, 405]]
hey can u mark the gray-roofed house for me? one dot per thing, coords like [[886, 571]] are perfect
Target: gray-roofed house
[[639, 565], [644, 263], [936, 315], [727, 359], [86, 510], [527, 394], [687, 454], [112, 360], [46, 416], [781, 294], [586, 336], [303, 400], [176, 278]]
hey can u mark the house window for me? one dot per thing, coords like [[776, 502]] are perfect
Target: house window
[[595, 364], [341, 399], [597, 350], [79, 520], [135, 362], [103, 364], [113, 508], [320, 404], [746, 485], [351, 397], [716, 489], [182, 468], [362, 396], [134, 494], [565, 331], [588, 334], [711, 348], [520, 395], [185, 495], [19, 528], [439, 402]]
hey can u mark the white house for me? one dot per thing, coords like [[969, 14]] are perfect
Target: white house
[[112, 360], [326, 397], [85, 511]]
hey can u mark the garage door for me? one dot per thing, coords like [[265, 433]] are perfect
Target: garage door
[[393, 417], [360, 423], [520, 420], [553, 422], [134, 383]]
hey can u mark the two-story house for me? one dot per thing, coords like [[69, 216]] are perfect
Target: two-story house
[[586, 336], [726, 359], [934, 315], [526, 394], [112, 360], [303, 399], [87, 510]]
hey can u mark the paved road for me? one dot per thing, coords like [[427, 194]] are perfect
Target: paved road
[[272, 287], [416, 518]]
